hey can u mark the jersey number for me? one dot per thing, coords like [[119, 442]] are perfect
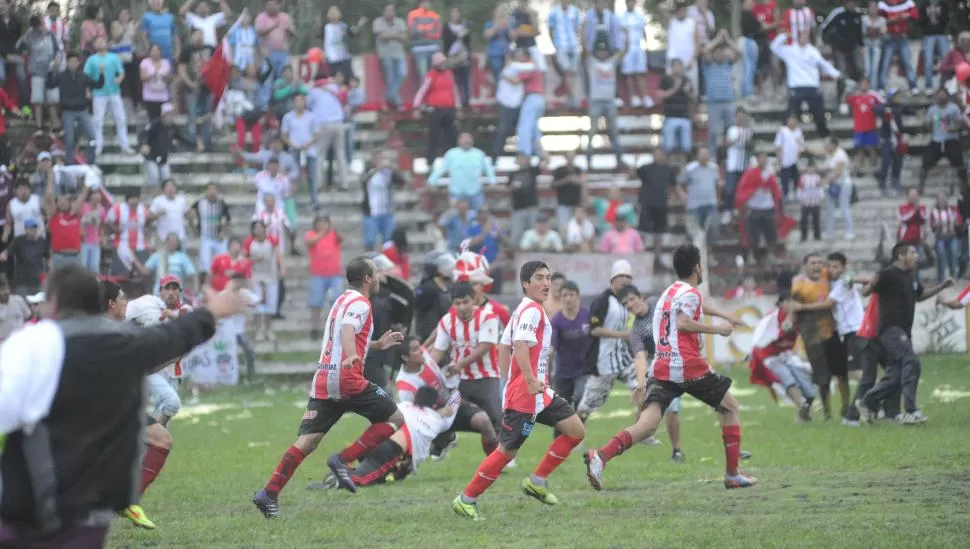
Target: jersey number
[[664, 340]]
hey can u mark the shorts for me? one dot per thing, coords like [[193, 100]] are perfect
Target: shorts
[[463, 417], [653, 220], [709, 389], [568, 61], [634, 62], [377, 464], [856, 348], [267, 295], [818, 358], [517, 426], [322, 288], [949, 149], [839, 351], [373, 403], [598, 390], [39, 94], [866, 140]]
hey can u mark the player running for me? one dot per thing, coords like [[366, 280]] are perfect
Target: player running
[[678, 368], [339, 386], [528, 399]]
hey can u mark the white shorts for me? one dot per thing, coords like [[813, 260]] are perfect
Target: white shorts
[[634, 62], [598, 390], [268, 294], [538, 58], [568, 61], [39, 94]]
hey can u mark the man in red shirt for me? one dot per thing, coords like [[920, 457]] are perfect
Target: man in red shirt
[[528, 399], [326, 269], [64, 225], [339, 386], [864, 103], [226, 265], [912, 219], [439, 94], [898, 14]]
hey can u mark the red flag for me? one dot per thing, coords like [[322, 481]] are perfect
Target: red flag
[[751, 181], [215, 73]]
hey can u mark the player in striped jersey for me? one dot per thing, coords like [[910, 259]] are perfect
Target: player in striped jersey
[[678, 368], [339, 386], [528, 399]]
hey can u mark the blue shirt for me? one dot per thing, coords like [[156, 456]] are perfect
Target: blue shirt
[[179, 265], [112, 68], [160, 28], [499, 43], [719, 81], [465, 169], [564, 27], [490, 244], [325, 106], [456, 228]]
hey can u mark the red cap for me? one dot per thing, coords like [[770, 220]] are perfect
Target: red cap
[[170, 279]]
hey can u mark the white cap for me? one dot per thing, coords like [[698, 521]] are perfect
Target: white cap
[[621, 267], [37, 298]]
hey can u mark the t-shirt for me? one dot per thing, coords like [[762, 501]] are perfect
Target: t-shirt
[[791, 142], [602, 79], [944, 121], [681, 40], [678, 357], [490, 244], [641, 334], [325, 258], [568, 194], [579, 233], [176, 263], [525, 189], [263, 254], [65, 232], [223, 268], [171, 216], [655, 181], [624, 242], [391, 49], [609, 355], [160, 28], [548, 242], [701, 184], [194, 58], [510, 91], [423, 425], [898, 292], [332, 380], [156, 87], [530, 325], [277, 39], [678, 104], [108, 64], [571, 342], [739, 151], [13, 314], [91, 220], [814, 326], [208, 25], [847, 308], [863, 107], [461, 337], [301, 129]]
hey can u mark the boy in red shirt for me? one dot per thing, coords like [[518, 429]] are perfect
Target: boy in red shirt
[[864, 103]]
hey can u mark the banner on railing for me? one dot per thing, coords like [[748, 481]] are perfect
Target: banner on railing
[[591, 271], [215, 362]]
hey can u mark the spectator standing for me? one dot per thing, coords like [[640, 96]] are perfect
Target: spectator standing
[[898, 14], [874, 34], [842, 30], [622, 238], [569, 181], [804, 64], [752, 42], [892, 142], [789, 144], [168, 210], [564, 25], [679, 97], [275, 29], [455, 222], [605, 209], [40, 47], [912, 220], [379, 184], [439, 94], [250, 86], [73, 86], [603, 100], [278, 228], [270, 181], [740, 144], [525, 22], [525, 196], [268, 269], [509, 93], [204, 20], [300, 132], [210, 215], [158, 27], [169, 260], [457, 46], [22, 206], [92, 221], [533, 108], [759, 201], [580, 233], [770, 18], [934, 18], [634, 57], [498, 33], [156, 74], [684, 44], [698, 188], [108, 66], [838, 183], [336, 35], [323, 246], [541, 238], [30, 255], [123, 32], [424, 28], [243, 40], [656, 180], [864, 103], [324, 104], [946, 122], [810, 195], [391, 35], [704, 19], [797, 19], [719, 56], [600, 26], [570, 344], [64, 224], [960, 53], [285, 88], [156, 146], [58, 27], [14, 310], [92, 28], [945, 222], [465, 165], [65, 179], [128, 220], [10, 32]]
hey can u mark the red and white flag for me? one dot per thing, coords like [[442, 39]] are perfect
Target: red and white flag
[[216, 72]]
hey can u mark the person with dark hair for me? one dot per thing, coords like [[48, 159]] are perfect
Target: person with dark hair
[[73, 85], [397, 251], [85, 376], [528, 399], [679, 368], [570, 344], [41, 49], [845, 356], [228, 264], [553, 304], [899, 289], [774, 339], [809, 298], [339, 386], [431, 297], [945, 121]]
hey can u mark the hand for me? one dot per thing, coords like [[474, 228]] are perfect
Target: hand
[[389, 339], [170, 314], [535, 386], [736, 322], [350, 362], [227, 303], [948, 282], [282, 271], [451, 369], [723, 329], [145, 150], [417, 114], [3, 256], [639, 395], [101, 67], [448, 411]]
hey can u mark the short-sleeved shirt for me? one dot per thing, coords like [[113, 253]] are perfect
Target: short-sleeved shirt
[[277, 39], [332, 380], [571, 341], [525, 188], [847, 306], [791, 142], [678, 104], [719, 81], [224, 267], [678, 355], [325, 254], [160, 28], [530, 325], [602, 78], [423, 425], [655, 182], [209, 26], [898, 292], [609, 355], [945, 122], [194, 58], [641, 334], [392, 49], [701, 184], [112, 68], [568, 194], [171, 216], [300, 129], [461, 337], [814, 326], [176, 263]]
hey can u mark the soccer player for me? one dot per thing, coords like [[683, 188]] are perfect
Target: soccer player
[[470, 334], [339, 386], [528, 399], [678, 368]]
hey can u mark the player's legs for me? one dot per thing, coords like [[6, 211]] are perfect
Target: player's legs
[[472, 419], [646, 426], [558, 414], [728, 417], [158, 444], [821, 375], [378, 463], [164, 391], [377, 407], [486, 394], [595, 393], [672, 418]]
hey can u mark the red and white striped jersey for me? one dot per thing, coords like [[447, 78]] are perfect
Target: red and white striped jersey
[[500, 311], [678, 356], [331, 380], [129, 226], [964, 297], [944, 221], [430, 374], [796, 20], [276, 224], [529, 324], [463, 336]]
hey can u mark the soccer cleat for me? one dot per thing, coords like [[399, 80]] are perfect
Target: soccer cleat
[[677, 457], [342, 472], [594, 469], [467, 510], [739, 480], [846, 422], [328, 483], [541, 493], [267, 505], [136, 515], [745, 454], [805, 412], [915, 417], [510, 465], [651, 441]]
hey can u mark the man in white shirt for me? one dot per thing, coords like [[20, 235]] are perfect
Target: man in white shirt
[[805, 65], [683, 42], [789, 144], [204, 20], [509, 93], [541, 238], [328, 111], [169, 210], [270, 181], [845, 361]]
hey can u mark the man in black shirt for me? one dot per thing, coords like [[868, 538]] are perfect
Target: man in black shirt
[[73, 85], [30, 254], [525, 195], [899, 289], [10, 60], [569, 181], [655, 180], [678, 96]]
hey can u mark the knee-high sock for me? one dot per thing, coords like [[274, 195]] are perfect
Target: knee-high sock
[[489, 470], [620, 442], [284, 471], [151, 465], [732, 447], [374, 435], [557, 453]]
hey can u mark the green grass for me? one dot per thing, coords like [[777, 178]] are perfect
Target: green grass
[[821, 484]]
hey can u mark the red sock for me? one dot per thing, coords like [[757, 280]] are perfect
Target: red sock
[[284, 471], [557, 453], [257, 131], [732, 447], [617, 445], [151, 465], [374, 435], [240, 134], [489, 445], [489, 470]]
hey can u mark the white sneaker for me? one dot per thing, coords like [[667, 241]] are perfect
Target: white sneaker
[[127, 150], [849, 236], [915, 417], [619, 102], [651, 441], [635, 102], [648, 102], [511, 465]]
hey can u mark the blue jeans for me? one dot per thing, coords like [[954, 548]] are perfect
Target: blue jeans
[[323, 288], [844, 204], [475, 201], [349, 139], [197, 104], [71, 120], [20, 71], [890, 160], [313, 182], [278, 60], [749, 66], [375, 225], [678, 133], [790, 375], [936, 43], [495, 64], [58, 259], [527, 130], [873, 53], [947, 254], [91, 257], [165, 394], [706, 217], [422, 64], [395, 71], [896, 45]]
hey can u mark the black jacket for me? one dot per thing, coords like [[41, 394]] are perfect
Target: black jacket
[[842, 29], [431, 303], [73, 88], [158, 136], [84, 456]]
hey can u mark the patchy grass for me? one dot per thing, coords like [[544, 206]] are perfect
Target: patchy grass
[[821, 484]]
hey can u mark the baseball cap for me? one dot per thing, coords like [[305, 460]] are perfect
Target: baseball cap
[[31, 224], [170, 279], [43, 155], [167, 108], [39, 297], [621, 267]]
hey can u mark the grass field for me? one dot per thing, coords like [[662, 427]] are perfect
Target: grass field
[[821, 484]]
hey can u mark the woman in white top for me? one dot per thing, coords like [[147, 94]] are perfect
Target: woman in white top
[[22, 207], [838, 179], [156, 77], [264, 252]]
